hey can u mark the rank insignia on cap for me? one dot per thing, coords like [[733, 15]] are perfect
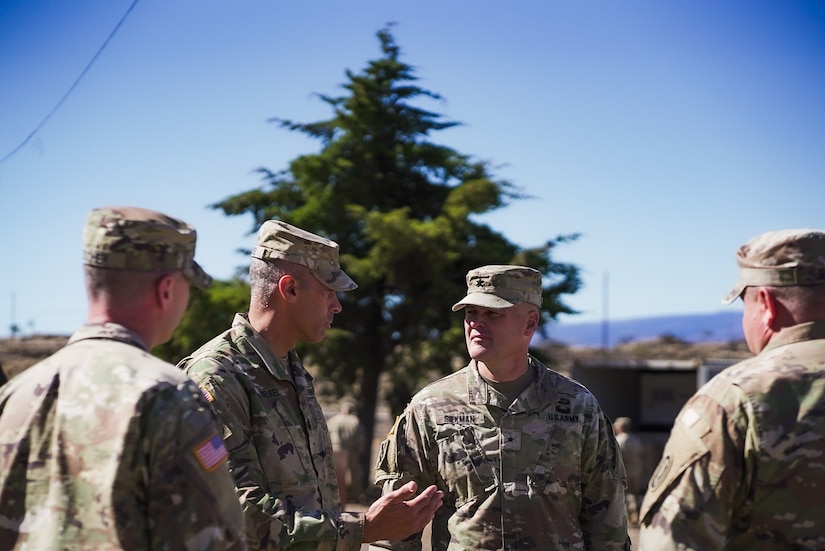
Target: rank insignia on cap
[[210, 453]]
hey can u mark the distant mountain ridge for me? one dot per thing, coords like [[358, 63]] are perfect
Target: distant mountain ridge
[[724, 326]]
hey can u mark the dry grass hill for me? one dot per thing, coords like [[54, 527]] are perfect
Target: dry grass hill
[[20, 353]]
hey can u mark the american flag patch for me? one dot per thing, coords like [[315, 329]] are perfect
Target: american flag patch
[[207, 395], [210, 453]]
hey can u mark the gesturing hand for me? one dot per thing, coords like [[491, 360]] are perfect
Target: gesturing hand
[[395, 516]]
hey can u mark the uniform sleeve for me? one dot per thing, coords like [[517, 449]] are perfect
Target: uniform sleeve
[[191, 497], [701, 478], [272, 522], [402, 459], [603, 516]]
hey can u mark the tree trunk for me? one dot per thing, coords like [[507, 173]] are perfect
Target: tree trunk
[[367, 412]]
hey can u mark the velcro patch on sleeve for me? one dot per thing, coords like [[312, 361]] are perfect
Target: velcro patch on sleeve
[[210, 453], [207, 395]]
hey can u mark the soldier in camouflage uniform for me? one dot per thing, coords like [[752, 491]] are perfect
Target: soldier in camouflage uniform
[[526, 458], [280, 451], [743, 468], [348, 440], [102, 445], [633, 459]]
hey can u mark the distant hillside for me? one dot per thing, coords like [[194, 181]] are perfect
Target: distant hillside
[[721, 327], [696, 328], [18, 354]]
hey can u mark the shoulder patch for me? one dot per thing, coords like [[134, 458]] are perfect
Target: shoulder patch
[[689, 417], [208, 396], [684, 448], [661, 472], [210, 453]]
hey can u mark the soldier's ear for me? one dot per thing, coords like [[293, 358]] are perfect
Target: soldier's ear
[[532, 321], [164, 289], [288, 287], [769, 307]]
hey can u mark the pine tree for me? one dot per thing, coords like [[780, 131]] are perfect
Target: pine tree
[[401, 207]]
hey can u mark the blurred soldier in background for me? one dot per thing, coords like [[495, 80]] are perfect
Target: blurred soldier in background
[[104, 445], [348, 439], [743, 468], [632, 454]]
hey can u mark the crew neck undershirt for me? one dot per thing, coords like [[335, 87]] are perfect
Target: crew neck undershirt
[[512, 389]]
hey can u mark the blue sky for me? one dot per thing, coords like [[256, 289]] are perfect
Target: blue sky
[[667, 133]]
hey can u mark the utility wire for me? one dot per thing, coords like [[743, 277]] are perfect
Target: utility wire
[[72, 87]]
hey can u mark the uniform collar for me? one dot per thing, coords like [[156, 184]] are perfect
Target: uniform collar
[[537, 395], [812, 330], [108, 331], [248, 340]]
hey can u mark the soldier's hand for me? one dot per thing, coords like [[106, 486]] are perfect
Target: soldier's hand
[[398, 514]]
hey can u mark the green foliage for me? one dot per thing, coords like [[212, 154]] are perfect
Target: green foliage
[[209, 313], [403, 210]]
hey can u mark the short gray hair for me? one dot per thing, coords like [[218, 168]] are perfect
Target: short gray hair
[[122, 286], [807, 302], [264, 276]]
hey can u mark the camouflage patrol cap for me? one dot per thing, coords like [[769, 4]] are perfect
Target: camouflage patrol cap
[[277, 239], [132, 238], [781, 258], [501, 286]]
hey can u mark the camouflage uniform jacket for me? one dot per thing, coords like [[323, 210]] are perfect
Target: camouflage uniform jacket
[[103, 446], [743, 468], [547, 476], [281, 457]]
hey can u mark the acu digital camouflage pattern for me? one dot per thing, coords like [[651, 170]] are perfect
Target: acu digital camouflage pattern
[[501, 286], [546, 476], [278, 239], [279, 447], [780, 258], [101, 448], [744, 467], [132, 238]]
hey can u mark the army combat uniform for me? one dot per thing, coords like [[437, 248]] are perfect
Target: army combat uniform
[[541, 473], [103, 446], [280, 452], [745, 463]]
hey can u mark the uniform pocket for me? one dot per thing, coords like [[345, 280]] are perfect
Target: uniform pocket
[[546, 452], [464, 467]]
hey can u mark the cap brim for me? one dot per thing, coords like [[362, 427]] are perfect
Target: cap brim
[[197, 276], [485, 300], [734, 293], [337, 280]]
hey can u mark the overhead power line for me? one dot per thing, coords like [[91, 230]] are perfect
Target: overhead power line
[[37, 128]]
